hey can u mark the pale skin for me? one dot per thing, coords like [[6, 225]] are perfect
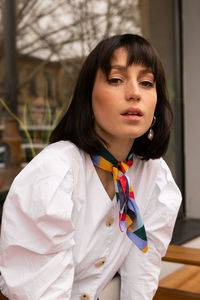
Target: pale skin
[[123, 106]]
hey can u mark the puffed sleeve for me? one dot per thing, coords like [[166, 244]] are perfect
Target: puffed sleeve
[[140, 271], [37, 232]]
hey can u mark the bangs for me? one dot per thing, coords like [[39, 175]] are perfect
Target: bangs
[[142, 55], [139, 51]]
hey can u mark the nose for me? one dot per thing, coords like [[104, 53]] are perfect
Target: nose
[[133, 91]]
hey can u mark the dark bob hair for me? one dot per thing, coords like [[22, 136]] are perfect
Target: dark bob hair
[[77, 125]]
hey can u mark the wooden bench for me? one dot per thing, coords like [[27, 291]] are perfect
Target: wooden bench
[[183, 284]]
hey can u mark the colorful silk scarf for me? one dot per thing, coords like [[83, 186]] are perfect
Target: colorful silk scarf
[[130, 219]]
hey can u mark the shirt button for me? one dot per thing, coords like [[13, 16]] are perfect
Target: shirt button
[[85, 297], [100, 262], [109, 221]]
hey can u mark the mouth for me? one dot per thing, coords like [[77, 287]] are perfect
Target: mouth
[[132, 112]]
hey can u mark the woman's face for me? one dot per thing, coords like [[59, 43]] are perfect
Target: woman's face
[[124, 103]]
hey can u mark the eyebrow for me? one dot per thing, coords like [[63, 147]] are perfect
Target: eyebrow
[[146, 71], [124, 69], [119, 67]]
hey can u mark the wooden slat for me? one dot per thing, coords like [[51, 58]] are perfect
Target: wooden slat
[[171, 294], [183, 284], [186, 278], [183, 255]]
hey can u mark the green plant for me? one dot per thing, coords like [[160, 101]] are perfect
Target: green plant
[[23, 126], [28, 134]]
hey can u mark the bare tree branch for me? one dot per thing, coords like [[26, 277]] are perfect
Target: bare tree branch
[[66, 28], [35, 72]]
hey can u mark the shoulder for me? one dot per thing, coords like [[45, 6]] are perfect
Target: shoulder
[[49, 180], [63, 151], [57, 168], [154, 185], [54, 160], [153, 170], [156, 172], [145, 173]]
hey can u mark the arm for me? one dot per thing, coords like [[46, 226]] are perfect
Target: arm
[[140, 271], [37, 233]]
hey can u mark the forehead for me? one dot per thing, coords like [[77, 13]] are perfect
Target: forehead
[[120, 59], [120, 56]]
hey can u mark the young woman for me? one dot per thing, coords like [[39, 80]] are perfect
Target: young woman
[[99, 199]]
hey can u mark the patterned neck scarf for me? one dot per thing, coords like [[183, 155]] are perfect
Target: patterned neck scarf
[[130, 219]]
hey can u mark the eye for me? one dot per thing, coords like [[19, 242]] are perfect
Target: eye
[[147, 83], [115, 80]]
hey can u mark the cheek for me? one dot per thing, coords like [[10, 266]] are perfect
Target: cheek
[[151, 109], [153, 103], [101, 104]]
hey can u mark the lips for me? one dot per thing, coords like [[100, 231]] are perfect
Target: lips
[[132, 112]]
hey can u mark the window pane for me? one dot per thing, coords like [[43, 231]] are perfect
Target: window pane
[[53, 38]]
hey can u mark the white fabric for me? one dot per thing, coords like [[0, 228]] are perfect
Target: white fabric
[[54, 229]]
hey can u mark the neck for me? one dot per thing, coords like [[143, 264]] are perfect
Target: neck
[[120, 150]]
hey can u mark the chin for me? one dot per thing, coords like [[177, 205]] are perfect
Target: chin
[[135, 135]]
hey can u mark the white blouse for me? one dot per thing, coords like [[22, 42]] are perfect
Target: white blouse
[[60, 237]]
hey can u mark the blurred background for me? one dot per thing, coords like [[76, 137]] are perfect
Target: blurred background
[[42, 47]]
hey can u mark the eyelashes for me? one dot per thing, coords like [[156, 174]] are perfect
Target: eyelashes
[[147, 83], [115, 80], [118, 81]]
